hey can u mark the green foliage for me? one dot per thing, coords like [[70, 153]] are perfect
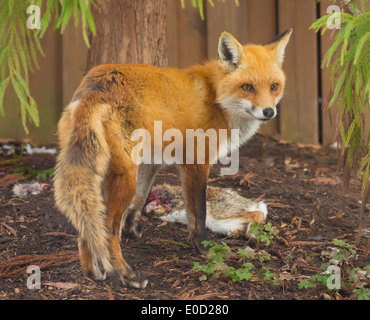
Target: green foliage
[[224, 262], [348, 62], [362, 293], [217, 253], [367, 268], [264, 233], [27, 171], [311, 281], [30, 172], [199, 4], [265, 274], [20, 46], [349, 276], [242, 273], [17, 158]]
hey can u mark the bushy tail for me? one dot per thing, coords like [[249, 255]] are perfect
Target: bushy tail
[[80, 170]]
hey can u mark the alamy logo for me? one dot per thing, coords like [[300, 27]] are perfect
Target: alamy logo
[[34, 20], [334, 21], [333, 282], [191, 147], [34, 280]]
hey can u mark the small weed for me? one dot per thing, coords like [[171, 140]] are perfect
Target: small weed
[[362, 293], [235, 265], [348, 276], [26, 170], [17, 158], [30, 172], [264, 233]]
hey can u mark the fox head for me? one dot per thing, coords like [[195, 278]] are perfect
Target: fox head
[[252, 81]]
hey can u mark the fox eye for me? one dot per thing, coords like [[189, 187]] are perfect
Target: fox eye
[[274, 87], [248, 88]]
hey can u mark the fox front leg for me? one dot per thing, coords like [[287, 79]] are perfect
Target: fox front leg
[[131, 224], [195, 188]]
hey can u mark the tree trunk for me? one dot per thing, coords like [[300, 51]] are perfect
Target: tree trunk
[[129, 31]]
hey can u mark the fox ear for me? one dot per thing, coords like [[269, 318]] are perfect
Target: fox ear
[[229, 51], [279, 44]]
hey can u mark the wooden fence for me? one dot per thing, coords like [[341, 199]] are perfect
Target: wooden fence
[[191, 41]]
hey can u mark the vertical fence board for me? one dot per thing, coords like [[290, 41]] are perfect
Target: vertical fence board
[[299, 108], [74, 60], [261, 20], [192, 36], [172, 30], [261, 28], [225, 17]]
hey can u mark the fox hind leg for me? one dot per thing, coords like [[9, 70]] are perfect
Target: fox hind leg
[[89, 263], [120, 188]]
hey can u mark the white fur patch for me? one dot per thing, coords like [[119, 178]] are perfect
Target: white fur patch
[[239, 118], [72, 106], [176, 216]]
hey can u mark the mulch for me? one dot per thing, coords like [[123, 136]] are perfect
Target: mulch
[[300, 184]]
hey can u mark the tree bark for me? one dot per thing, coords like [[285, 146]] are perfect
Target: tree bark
[[129, 31]]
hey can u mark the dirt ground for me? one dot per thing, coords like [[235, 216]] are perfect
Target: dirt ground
[[300, 185]]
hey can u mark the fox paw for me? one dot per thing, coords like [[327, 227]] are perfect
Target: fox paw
[[134, 280], [132, 225], [134, 231]]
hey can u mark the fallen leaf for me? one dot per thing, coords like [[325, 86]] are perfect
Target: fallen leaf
[[162, 224], [203, 296], [10, 229], [324, 180], [321, 171], [186, 295], [162, 262], [247, 178], [11, 179], [110, 294], [338, 216], [297, 221], [175, 243], [60, 285], [277, 205]]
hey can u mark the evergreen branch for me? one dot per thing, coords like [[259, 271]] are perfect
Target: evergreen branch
[[20, 46], [348, 62]]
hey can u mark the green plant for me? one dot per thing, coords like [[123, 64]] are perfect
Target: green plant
[[349, 276], [348, 62], [17, 158], [30, 172], [362, 293], [224, 262], [19, 46], [26, 170], [242, 273], [312, 281], [264, 233]]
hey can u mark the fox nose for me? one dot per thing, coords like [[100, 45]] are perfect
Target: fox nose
[[268, 112]]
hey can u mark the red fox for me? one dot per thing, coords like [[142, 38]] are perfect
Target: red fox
[[99, 187]]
